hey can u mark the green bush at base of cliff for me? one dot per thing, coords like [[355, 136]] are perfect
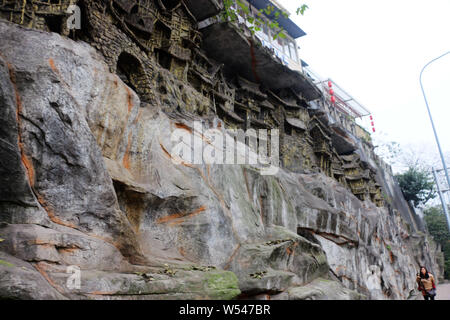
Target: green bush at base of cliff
[[438, 228]]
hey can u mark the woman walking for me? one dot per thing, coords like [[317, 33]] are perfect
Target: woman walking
[[426, 283]]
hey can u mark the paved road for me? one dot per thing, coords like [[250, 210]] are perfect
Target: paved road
[[443, 292]]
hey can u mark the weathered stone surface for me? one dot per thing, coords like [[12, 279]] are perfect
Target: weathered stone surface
[[87, 179], [20, 280], [34, 243], [62, 162], [154, 284], [321, 289]]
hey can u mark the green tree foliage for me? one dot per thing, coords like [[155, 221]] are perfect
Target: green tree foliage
[[437, 226], [417, 185], [256, 19]]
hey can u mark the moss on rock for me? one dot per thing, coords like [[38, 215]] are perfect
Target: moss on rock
[[222, 285]]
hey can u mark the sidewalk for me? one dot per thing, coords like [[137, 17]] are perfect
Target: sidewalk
[[443, 292]]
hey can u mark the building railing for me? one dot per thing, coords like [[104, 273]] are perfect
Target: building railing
[[268, 42], [346, 109], [285, 59]]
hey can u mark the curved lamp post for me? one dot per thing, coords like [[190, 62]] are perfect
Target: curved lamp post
[[434, 129]]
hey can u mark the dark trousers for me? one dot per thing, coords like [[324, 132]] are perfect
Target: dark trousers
[[428, 297]]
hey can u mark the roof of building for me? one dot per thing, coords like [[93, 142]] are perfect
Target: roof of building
[[287, 24]]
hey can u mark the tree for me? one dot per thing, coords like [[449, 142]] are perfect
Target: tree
[[389, 151], [437, 226], [417, 185], [256, 20]]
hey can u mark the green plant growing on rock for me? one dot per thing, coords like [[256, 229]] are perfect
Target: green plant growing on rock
[[203, 268], [146, 276], [168, 271], [277, 242], [258, 275], [387, 199], [6, 263], [258, 22]]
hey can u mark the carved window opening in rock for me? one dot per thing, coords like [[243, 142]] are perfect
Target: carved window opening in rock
[[169, 4], [262, 115], [221, 114], [243, 115], [141, 27], [161, 38], [130, 71], [195, 82], [162, 34], [164, 59], [135, 9], [54, 23], [288, 129]]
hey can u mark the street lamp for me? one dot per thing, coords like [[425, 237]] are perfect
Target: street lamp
[[434, 128], [441, 196]]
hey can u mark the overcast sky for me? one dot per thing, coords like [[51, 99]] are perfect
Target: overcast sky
[[375, 51]]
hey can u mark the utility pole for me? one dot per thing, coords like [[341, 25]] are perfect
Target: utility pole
[[444, 205], [431, 119]]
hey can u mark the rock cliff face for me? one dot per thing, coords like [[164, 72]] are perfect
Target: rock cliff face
[[87, 179]]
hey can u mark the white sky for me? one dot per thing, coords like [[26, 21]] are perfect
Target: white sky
[[375, 51]]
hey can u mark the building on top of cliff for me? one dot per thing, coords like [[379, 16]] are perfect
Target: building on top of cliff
[[272, 63], [340, 99], [343, 112], [342, 102], [286, 48]]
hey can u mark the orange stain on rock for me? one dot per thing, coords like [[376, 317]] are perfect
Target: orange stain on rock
[[126, 158], [180, 125], [28, 166], [27, 163], [138, 116], [31, 172], [179, 160], [391, 257], [52, 215], [68, 250], [130, 99], [51, 62], [235, 251], [42, 270], [177, 218]]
